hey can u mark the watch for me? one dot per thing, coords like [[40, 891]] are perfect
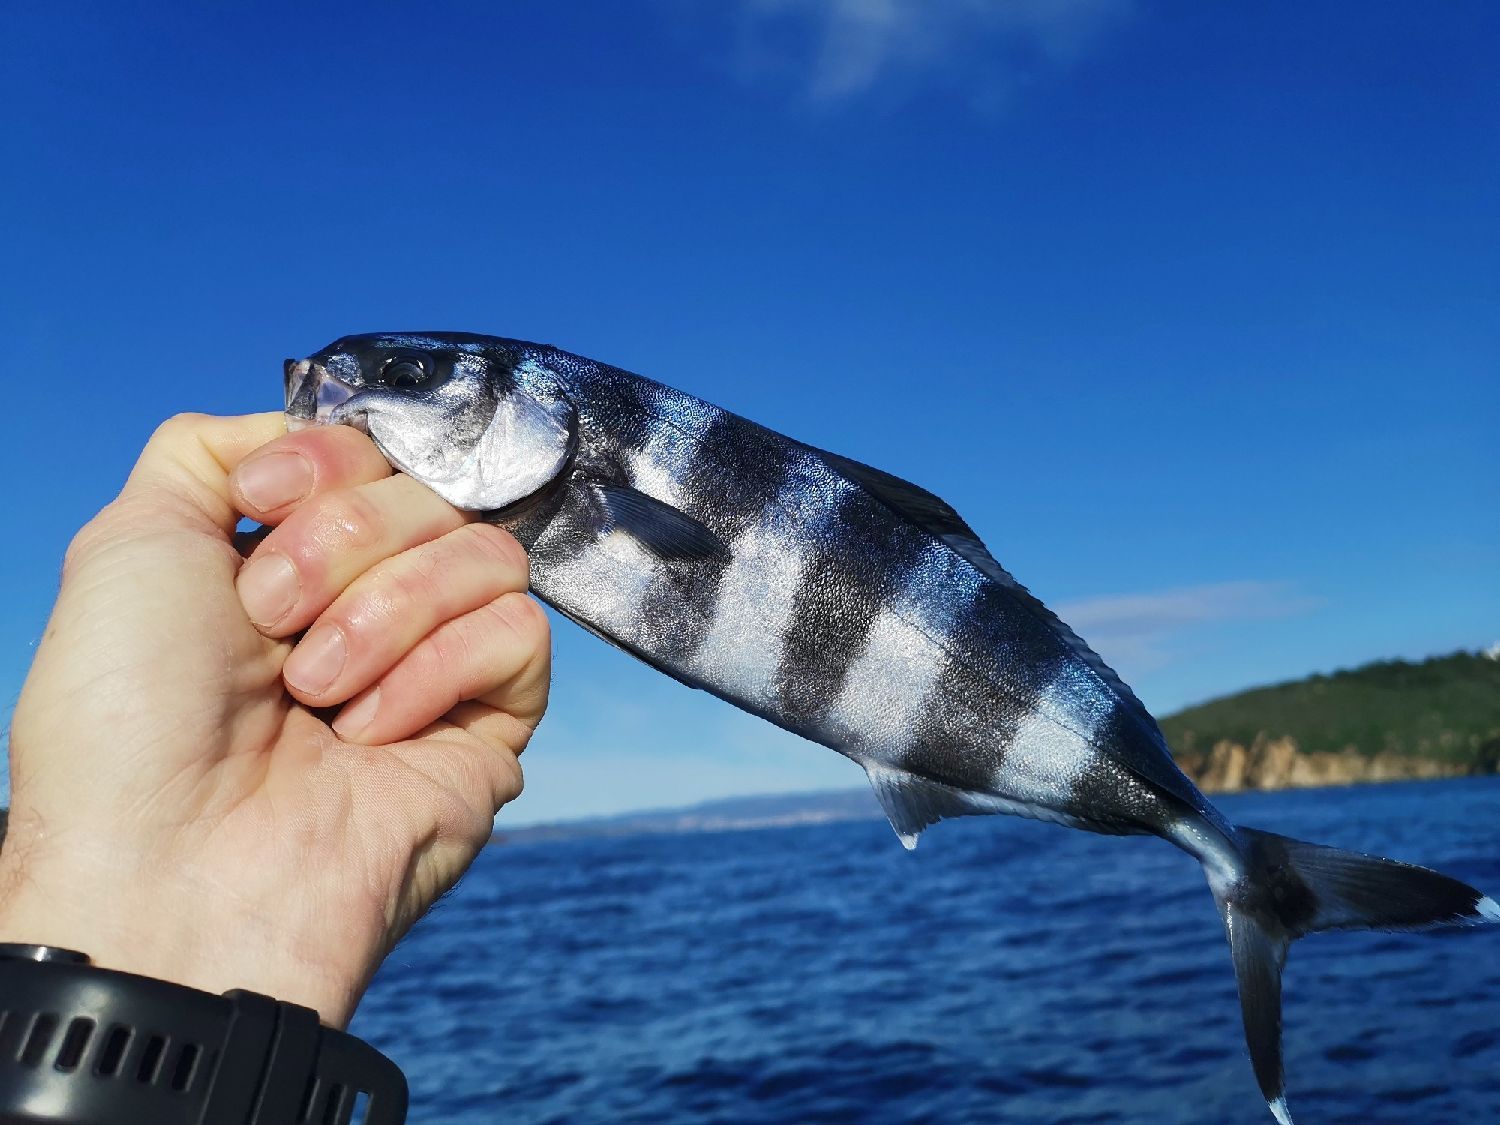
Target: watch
[[81, 1044]]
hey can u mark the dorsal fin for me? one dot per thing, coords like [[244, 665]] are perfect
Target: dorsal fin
[[936, 516], [932, 514]]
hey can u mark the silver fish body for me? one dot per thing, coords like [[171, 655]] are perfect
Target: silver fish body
[[840, 603]]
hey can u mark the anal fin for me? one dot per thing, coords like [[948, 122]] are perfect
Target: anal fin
[[911, 803]]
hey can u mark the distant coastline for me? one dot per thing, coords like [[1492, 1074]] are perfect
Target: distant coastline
[[729, 814], [1244, 771], [1227, 768], [1387, 721]]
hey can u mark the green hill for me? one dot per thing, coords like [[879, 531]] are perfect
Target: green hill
[[1444, 710]]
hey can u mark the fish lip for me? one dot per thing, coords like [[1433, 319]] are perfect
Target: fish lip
[[314, 394]]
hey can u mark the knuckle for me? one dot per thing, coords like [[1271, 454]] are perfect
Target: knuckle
[[85, 542], [525, 618], [475, 775], [499, 548], [345, 521], [509, 780], [530, 704], [486, 768], [450, 648], [373, 608], [392, 594], [463, 658], [179, 436], [431, 565], [428, 676], [178, 427]]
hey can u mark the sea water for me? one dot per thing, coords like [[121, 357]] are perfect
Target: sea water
[[1007, 971]]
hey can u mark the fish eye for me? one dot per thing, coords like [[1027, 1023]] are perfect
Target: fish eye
[[404, 371]]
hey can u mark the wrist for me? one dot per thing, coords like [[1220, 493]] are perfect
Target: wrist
[[153, 928]]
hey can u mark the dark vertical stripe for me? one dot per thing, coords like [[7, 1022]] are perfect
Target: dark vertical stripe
[[859, 562], [616, 414], [1023, 655], [730, 471], [1118, 784], [980, 700], [964, 735], [736, 472]]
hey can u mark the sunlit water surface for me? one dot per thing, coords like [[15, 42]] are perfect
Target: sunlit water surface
[[1006, 971]]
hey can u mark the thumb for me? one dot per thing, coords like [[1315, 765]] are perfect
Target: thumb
[[190, 457]]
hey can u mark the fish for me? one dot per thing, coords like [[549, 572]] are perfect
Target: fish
[[841, 603]]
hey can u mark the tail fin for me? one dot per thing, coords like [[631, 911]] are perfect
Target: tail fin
[[1286, 889]]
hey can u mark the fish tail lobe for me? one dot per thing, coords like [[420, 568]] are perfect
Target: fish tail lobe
[[1284, 889]]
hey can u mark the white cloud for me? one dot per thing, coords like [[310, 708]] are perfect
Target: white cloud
[[841, 48], [1138, 633], [1186, 605]]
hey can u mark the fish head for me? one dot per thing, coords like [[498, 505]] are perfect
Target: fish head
[[475, 418]]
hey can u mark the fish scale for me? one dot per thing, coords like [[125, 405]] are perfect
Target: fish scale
[[840, 603]]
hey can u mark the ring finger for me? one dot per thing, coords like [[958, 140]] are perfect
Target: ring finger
[[498, 655]]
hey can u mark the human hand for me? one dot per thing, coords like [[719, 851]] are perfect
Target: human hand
[[183, 804]]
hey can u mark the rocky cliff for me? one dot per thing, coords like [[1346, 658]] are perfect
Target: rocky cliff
[[1278, 763]]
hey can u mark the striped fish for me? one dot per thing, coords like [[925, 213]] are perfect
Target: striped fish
[[843, 604]]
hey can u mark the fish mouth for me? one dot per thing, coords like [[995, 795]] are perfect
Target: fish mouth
[[313, 394]]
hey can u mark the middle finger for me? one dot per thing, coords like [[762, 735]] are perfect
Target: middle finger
[[388, 609], [317, 551]]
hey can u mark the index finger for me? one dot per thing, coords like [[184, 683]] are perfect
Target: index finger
[[272, 482], [188, 461]]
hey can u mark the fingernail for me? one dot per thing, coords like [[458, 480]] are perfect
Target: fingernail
[[268, 589], [274, 480], [357, 717], [317, 660]]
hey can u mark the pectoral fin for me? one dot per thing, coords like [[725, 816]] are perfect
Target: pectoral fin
[[660, 528]]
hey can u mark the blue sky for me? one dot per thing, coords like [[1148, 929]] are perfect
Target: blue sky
[[1191, 309]]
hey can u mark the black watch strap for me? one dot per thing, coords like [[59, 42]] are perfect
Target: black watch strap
[[84, 1044]]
